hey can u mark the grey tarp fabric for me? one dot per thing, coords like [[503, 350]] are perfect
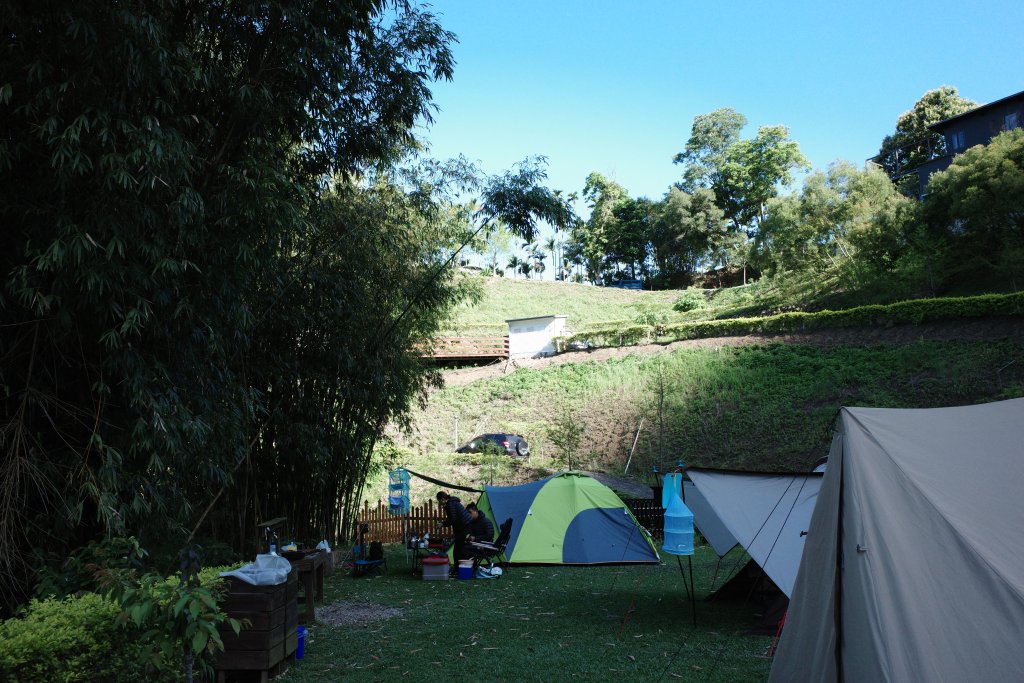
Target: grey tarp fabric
[[926, 507], [707, 521], [766, 513]]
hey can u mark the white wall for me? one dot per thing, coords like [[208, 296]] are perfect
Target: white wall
[[533, 337]]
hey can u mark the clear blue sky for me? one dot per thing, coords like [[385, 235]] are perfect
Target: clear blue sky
[[614, 86]]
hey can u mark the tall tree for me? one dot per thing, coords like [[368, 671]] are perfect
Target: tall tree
[[603, 196], [976, 206], [552, 246], [743, 174], [199, 300], [158, 162], [513, 264], [497, 242], [845, 221], [686, 227], [630, 233], [707, 151], [912, 143]]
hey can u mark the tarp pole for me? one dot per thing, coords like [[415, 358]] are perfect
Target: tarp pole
[[691, 592], [635, 439]]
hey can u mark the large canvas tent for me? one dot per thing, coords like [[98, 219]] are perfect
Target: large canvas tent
[[914, 564], [567, 518], [767, 514]]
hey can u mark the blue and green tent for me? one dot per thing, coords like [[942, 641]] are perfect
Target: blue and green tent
[[567, 518]]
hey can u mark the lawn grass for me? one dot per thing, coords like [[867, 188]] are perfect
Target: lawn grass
[[542, 623]]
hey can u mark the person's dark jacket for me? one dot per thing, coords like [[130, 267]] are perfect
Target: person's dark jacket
[[456, 515], [481, 528]]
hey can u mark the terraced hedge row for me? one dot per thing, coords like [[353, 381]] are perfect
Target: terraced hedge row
[[913, 312]]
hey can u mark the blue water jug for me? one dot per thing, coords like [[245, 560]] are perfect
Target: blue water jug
[[300, 650]]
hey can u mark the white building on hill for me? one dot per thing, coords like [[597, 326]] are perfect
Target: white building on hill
[[534, 337]]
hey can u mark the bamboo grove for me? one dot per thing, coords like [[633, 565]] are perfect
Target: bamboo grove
[[217, 249]]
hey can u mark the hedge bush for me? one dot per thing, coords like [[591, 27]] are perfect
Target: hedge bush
[[70, 640], [84, 637], [912, 312]]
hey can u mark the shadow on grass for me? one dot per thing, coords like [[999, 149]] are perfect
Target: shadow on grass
[[627, 623]]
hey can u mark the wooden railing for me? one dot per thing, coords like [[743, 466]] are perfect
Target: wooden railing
[[388, 528], [468, 347]]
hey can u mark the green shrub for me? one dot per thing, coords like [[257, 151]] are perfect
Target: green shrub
[[78, 573], [68, 640], [690, 301], [615, 336]]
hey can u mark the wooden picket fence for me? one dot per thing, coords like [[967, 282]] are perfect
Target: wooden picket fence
[[388, 528]]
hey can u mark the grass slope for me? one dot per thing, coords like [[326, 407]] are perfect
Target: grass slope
[[749, 407], [585, 306]]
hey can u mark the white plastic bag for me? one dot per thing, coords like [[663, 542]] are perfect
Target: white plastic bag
[[267, 570]]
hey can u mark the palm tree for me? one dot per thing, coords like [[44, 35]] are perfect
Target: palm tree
[[551, 245], [538, 263], [514, 262]]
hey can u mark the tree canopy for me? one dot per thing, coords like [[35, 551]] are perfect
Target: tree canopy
[[219, 263], [743, 174], [976, 206], [912, 143]]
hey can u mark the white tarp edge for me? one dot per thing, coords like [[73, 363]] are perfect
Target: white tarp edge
[[766, 513]]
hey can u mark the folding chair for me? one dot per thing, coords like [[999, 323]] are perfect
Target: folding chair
[[490, 552], [374, 564]]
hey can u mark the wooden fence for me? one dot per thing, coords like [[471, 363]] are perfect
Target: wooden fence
[[469, 347], [388, 528]]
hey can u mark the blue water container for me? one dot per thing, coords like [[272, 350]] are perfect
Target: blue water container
[[300, 650], [678, 528]]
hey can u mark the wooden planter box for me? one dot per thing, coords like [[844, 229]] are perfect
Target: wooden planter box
[[271, 635]]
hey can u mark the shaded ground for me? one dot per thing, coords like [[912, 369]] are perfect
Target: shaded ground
[[980, 329]]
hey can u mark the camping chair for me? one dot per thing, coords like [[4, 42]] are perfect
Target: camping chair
[[484, 551], [368, 560]]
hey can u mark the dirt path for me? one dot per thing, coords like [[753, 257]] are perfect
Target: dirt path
[[980, 329]]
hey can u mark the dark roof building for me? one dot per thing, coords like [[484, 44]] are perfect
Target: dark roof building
[[961, 132]]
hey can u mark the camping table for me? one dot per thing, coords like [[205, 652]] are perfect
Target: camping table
[[310, 570]]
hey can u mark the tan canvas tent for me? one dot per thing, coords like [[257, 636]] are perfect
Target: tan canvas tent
[[913, 567]]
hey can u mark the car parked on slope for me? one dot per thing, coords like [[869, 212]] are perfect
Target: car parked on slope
[[509, 444]]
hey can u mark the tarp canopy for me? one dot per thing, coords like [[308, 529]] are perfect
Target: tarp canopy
[[914, 563], [766, 513], [567, 518], [707, 520]]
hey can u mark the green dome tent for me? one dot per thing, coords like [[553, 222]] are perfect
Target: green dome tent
[[567, 518]]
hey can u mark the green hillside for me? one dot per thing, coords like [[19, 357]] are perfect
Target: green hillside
[[585, 306], [766, 407]]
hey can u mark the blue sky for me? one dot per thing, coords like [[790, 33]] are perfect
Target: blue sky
[[614, 86]]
